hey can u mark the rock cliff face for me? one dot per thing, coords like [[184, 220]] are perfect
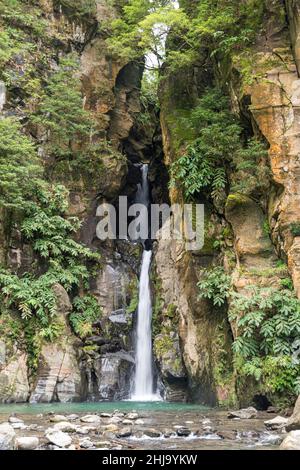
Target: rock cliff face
[[192, 339], [275, 109], [67, 369], [269, 101]]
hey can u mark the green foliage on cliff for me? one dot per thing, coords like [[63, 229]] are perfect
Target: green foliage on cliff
[[268, 328], [17, 18], [78, 9], [20, 168], [215, 285], [61, 113], [143, 28], [48, 230], [72, 143], [219, 26], [202, 167], [268, 321], [295, 229], [23, 15], [218, 148], [86, 311], [252, 171], [30, 295]]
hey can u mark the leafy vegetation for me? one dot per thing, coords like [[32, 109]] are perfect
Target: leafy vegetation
[[276, 375], [86, 311], [268, 326], [50, 233], [17, 18], [19, 165], [64, 259], [215, 285], [222, 27], [295, 229], [268, 321], [78, 9], [67, 124], [252, 172], [204, 165]]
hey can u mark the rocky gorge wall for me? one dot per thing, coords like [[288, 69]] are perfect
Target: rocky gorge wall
[[192, 339], [266, 98], [100, 367]]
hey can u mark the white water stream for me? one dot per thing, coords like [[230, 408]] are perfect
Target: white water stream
[[143, 380]]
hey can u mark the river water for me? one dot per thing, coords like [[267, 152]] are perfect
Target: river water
[[208, 428]]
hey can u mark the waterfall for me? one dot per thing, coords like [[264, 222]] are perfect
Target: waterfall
[[2, 95], [143, 381]]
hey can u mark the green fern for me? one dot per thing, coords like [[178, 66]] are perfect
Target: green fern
[[214, 285]]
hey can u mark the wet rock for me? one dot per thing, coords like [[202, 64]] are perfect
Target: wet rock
[[58, 438], [170, 363], [227, 434], [245, 413], [114, 420], [57, 418], [86, 444], [27, 443], [32, 427], [19, 426], [272, 409], [268, 438], [292, 441], [139, 422], [65, 426], [102, 444], [151, 433], [14, 386], [72, 417], [124, 432], [111, 428], [105, 415], [119, 414], [15, 419], [58, 374], [294, 421], [132, 415], [276, 423], [168, 433], [7, 437], [84, 430], [95, 419], [183, 432], [128, 421], [206, 422], [209, 430], [98, 340], [120, 317], [109, 376]]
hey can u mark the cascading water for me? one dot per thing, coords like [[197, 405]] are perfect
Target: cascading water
[[143, 381]]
